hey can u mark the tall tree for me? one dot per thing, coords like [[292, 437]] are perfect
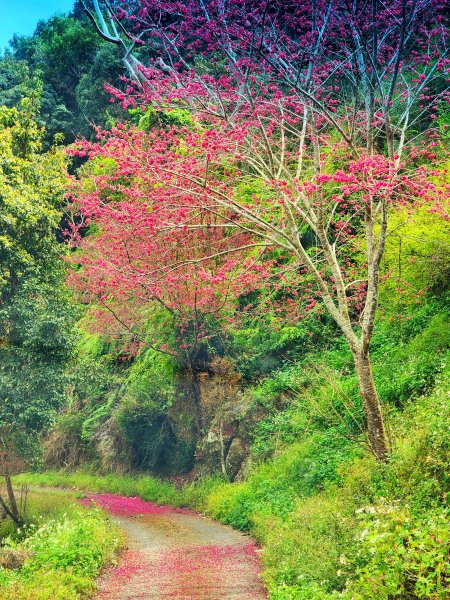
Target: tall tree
[[320, 107], [74, 64], [110, 28], [35, 336]]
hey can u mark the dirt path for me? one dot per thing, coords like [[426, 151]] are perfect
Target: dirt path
[[178, 554]]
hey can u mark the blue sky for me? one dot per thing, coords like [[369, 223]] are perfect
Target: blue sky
[[21, 16]]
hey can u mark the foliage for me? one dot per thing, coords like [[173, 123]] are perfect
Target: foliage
[[32, 187], [421, 358], [35, 311], [74, 64], [40, 504], [417, 257], [147, 487], [261, 346], [146, 426], [13, 75], [93, 100], [407, 554], [65, 554], [37, 326]]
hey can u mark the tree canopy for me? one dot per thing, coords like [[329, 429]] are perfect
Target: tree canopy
[[34, 320]]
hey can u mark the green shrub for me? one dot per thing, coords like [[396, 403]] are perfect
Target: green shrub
[[65, 556], [232, 504], [40, 504], [81, 540], [147, 429], [311, 548], [419, 470], [57, 585], [407, 365], [198, 493], [406, 556]]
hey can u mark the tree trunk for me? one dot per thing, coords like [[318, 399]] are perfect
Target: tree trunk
[[371, 403], [196, 396], [12, 499]]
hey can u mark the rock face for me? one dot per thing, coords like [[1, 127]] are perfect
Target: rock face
[[207, 431], [236, 457], [226, 410], [184, 420], [113, 451]]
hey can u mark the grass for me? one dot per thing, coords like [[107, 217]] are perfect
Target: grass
[[41, 504], [334, 524], [369, 531], [62, 546], [148, 488]]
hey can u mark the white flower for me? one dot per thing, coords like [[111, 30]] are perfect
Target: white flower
[[363, 534]]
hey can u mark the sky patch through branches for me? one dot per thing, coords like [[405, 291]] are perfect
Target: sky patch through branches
[[22, 16]]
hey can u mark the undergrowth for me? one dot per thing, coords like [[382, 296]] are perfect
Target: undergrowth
[[370, 532], [334, 524], [146, 487], [39, 504], [60, 551]]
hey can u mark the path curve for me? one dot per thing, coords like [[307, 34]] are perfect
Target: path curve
[[178, 554]]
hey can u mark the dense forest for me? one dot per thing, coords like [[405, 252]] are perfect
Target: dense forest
[[224, 267]]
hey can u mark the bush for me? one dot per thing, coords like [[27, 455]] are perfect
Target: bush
[[232, 504], [40, 504], [407, 364], [311, 547], [198, 493], [406, 556], [147, 429], [65, 556], [81, 540], [419, 470], [57, 585]]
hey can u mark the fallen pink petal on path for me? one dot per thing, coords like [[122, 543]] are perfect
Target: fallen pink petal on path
[[177, 554], [128, 506]]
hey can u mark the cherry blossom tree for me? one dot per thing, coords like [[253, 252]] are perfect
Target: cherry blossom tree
[[286, 127]]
